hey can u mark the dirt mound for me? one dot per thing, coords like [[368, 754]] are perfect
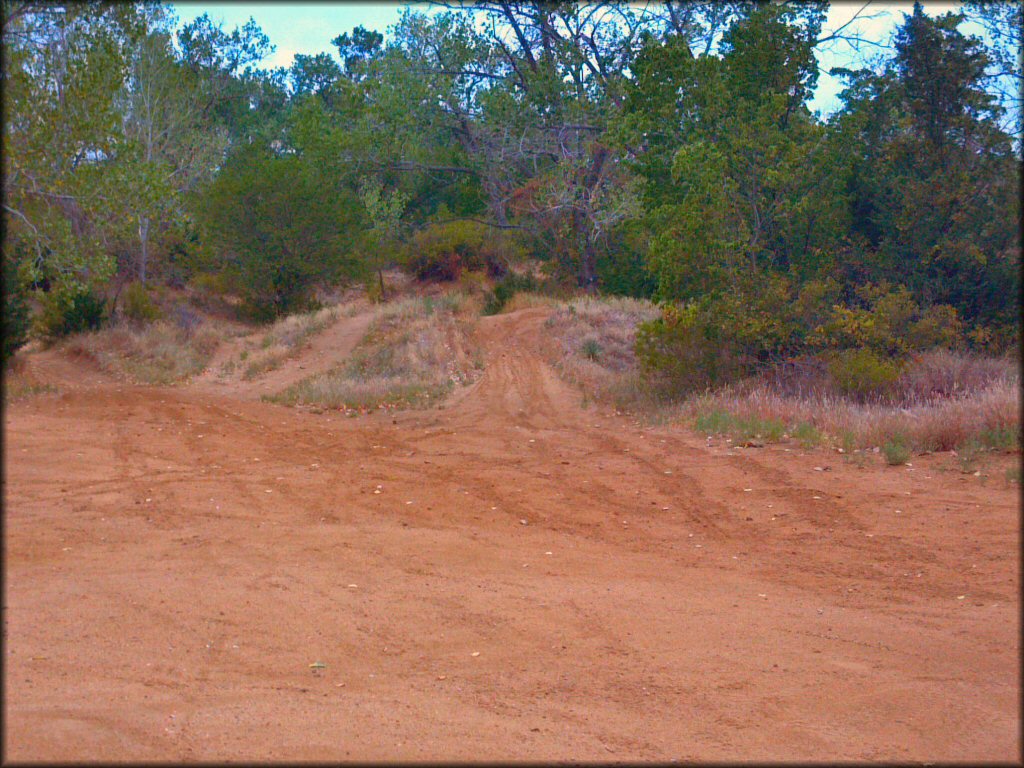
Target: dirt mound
[[194, 575]]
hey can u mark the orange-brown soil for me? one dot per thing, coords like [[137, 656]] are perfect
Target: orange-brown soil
[[510, 576]]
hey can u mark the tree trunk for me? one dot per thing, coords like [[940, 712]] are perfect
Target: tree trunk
[[588, 265], [144, 252]]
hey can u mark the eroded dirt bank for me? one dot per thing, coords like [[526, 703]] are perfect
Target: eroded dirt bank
[[177, 558]]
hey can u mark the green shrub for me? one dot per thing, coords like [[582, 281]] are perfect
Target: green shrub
[[591, 349], [715, 423], [506, 288], [138, 306], [967, 456], [70, 309], [863, 374], [937, 327], [683, 352], [622, 267], [888, 322], [896, 450], [444, 251], [16, 315], [213, 283], [374, 290]]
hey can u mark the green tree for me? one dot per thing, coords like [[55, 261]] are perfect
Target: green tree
[[737, 176], [64, 194], [934, 182], [280, 225]]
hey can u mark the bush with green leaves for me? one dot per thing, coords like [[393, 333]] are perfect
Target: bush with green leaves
[[138, 306], [506, 288], [888, 321], [70, 309], [443, 251], [718, 338], [723, 336], [681, 353], [279, 224], [16, 314], [863, 374], [896, 450]]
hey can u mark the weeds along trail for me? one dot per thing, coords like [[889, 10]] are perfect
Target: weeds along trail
[[190, 551]]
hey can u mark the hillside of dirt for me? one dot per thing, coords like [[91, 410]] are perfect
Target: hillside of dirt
[[193, 574]]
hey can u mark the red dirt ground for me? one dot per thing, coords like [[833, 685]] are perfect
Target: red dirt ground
[[178, 557]]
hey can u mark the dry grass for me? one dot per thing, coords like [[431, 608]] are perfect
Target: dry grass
[[529, 300], [159, 353], [414, 353], [943, 401], [989, 417], [283, 340], [944, 374], [20, 383], [594, 346]]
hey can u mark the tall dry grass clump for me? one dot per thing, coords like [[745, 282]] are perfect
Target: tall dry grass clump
[[414, 353], [19, 382], [164, 352]]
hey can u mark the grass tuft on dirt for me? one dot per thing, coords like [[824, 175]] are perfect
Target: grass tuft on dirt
[[415, 352], [158, 353]]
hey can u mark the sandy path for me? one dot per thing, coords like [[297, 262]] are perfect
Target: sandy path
[[176, 559]]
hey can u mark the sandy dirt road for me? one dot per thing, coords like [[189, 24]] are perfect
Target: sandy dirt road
[[176, 559]]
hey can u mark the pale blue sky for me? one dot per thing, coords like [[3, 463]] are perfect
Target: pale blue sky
[[308, 28]]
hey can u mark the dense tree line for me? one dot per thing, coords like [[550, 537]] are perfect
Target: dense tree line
[[666, 151]]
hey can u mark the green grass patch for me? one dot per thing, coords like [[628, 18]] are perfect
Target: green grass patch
[[1000, 439], [742, 427], [807, 435], [896, 450]]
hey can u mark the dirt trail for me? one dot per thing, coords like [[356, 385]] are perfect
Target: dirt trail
[[177, 558], [320, 354]]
